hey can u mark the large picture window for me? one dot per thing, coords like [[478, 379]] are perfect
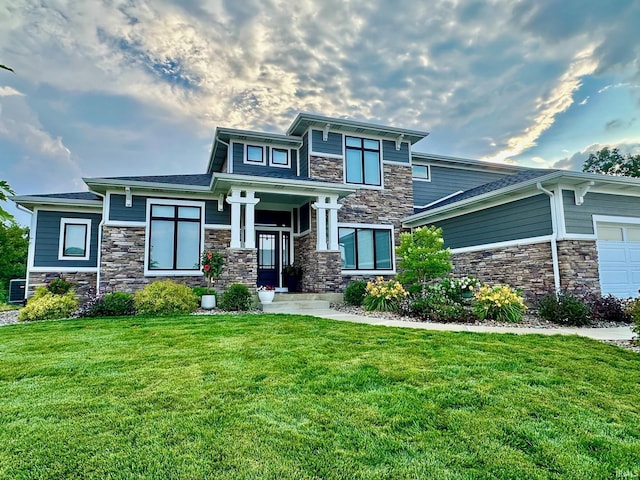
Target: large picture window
[[365, 248], [74, 239], [362, 161], [174, 237]]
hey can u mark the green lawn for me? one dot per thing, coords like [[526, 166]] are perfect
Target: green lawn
[[277, 397]]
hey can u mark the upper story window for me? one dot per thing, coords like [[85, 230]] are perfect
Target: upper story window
[[362, 163], [254, 154], [280, 157], [421, 172], [74, 239], [174, 237]]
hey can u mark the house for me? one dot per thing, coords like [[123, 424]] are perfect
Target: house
[[333, 196]]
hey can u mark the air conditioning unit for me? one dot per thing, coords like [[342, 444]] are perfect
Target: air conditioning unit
[[16, 290]]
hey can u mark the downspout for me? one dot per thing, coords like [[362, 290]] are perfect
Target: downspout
[[554, 237], [229, 155], [99, 257], [31, 247]]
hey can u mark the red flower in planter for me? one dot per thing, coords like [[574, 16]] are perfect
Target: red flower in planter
[[206, 268]]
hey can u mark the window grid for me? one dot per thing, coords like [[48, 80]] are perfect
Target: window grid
[[363, 146], [176, 218], [374, 245]]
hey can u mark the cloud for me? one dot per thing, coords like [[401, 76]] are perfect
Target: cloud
[[8, 92], [575, 161]]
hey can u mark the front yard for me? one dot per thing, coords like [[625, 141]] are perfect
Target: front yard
[[259, 396]]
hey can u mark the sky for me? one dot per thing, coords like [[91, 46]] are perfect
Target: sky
[[134, 87]]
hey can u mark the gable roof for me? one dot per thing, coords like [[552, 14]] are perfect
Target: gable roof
[[75, 199]]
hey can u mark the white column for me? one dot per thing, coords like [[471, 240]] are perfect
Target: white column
[[333, 208], [249, 220], [321, 224], [234, 200]]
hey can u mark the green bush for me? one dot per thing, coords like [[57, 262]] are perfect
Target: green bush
[[235, 298], [422, 256], [500, 302], [608, 308], [165, 298], [59, 286], [434, 306], [44, 305], [457, 288], [355, 292], [200, 291], [564, 309], [633, 310], [115, 304], [383, 295]]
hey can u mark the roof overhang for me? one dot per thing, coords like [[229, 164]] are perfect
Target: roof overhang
[[304, 121], [101, 185], [32, 201], [458, 162], [623, 185]]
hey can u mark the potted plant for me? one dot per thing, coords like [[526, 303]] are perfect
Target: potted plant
[[292, 276], [266, 293], [211, 263]]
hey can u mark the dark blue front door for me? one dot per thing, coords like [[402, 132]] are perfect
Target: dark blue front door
[[268, 258]]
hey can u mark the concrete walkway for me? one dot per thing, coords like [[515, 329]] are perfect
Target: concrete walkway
[[618, 333]]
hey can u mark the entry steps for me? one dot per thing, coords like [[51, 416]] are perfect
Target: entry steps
[[301, 302]]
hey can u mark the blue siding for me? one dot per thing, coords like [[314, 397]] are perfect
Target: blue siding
[[304, 156], [445, 181], [526, 218], [333, 145], [579, 218], [247, 169], [137, 212], [390, 154], [304, 218], [213, 217], [48, 240]]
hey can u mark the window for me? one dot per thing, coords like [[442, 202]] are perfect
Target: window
[[174, 237], [365, 248], [254, 154], [421, 172], [74, 239], [362, 161], [279, 157]]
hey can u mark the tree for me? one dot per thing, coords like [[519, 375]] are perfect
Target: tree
[[14, 245], [612, 162], [422, 255], [5, 190]]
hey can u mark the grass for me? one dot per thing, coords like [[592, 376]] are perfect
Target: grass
[[278, 397]]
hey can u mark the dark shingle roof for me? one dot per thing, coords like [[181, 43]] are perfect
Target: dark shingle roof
[[198, 179], [70, 196], [503, 182]]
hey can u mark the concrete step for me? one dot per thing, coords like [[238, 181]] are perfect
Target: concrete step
[[303, 297], [295, 306]]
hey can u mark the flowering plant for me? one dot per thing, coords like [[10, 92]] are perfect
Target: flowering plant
[[211, 264], [383, 295], [457, 288], [265, 288], [500, 302]]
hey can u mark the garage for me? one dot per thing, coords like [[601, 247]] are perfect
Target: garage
[[619, 258]]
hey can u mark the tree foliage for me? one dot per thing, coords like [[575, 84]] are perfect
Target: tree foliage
[[5, 190], [14, 245], [422, 255], [4, 67], [612, 162]]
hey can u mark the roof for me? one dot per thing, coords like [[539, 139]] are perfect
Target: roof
[[76, 199], [193, 183], [200, 179], [465, 162], [303, 121]]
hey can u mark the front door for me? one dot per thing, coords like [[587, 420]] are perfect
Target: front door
[[268, 258]]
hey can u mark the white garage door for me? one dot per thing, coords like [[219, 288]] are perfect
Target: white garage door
[[619, 258]]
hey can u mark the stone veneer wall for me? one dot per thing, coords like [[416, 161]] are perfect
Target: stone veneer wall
[[386, 206], [122, 263], [578, 260], [84, 281], [526, 267]]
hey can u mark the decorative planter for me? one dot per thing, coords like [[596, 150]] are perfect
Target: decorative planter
[[292, 283], [266, 296], [208, 302]]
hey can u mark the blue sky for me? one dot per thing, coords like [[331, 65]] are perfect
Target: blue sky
[[138, 87]]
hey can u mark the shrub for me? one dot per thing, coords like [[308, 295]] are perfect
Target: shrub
[[383, 296], [455, 288], [608, 309], [45, 305], [165, 298], [235, 298], [434, 306], [200, 291], [422, 257], [355, 292], [500, 302], [115, 304], [565, 309], [59, 286]]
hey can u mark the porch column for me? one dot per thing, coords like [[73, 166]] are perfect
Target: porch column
[[333, 206], [234, 200], [321, 223], [249, 219]]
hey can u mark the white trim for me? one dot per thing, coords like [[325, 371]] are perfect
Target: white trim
[[439, 199], [326, 155], [372, 226], [122, 223], [179, 203], [246, 160], [558, 204], [63, 269], [278, 165], [216, 226], [615, 219], [78, 209], [64, 221], [368, 272], [508, 243], [302, 234], [106, 206], [399, 164], [422, 179], [230, 157], [577, 236], [32, 240]]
